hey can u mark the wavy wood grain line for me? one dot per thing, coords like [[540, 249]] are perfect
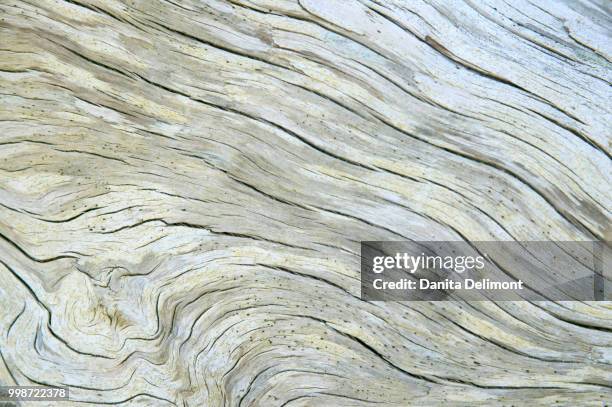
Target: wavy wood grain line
[[184, 186]]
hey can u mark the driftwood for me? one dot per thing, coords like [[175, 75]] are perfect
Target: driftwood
[[184, 186]]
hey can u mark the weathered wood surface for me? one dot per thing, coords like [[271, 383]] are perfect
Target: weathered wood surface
[[184, 184]]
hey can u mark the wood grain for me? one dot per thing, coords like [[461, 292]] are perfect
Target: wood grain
[[184, 186]]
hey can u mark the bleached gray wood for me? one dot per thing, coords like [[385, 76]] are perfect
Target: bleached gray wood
[[184, 185]]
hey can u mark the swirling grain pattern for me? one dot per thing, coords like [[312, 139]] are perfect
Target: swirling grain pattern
[[184, 185]]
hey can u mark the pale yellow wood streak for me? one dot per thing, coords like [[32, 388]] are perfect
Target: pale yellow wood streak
[[184, 185]]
